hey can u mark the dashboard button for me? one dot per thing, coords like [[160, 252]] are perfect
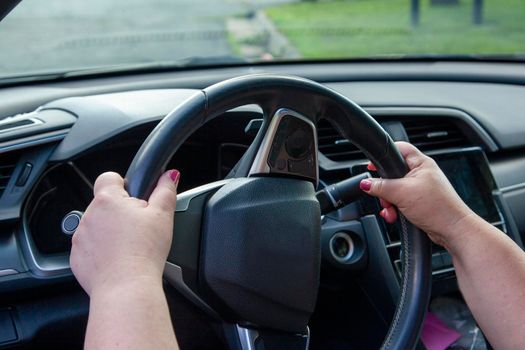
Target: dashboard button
[[70, 222], [24, 174]]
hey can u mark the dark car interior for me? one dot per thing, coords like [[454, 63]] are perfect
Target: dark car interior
[[57, 136]]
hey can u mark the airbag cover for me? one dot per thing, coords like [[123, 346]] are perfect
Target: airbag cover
[[261, 251]]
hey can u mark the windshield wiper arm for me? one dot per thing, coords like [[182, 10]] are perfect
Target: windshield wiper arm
[[193, 61]]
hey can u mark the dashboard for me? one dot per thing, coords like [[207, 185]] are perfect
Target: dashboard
[[56, 138]]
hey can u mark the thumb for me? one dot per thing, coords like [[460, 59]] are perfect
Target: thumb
[[387, 189], [164, 196]]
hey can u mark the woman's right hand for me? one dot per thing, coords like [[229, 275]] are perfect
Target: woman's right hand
[[424, 196]]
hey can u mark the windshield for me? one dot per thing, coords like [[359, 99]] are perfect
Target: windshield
[[69, 35]]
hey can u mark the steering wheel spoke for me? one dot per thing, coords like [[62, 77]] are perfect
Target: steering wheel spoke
[[289, 148], [245, 338]]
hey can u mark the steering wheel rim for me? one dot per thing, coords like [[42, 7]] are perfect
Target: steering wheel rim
[[313, 100]]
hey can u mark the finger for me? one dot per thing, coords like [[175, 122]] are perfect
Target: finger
[[389, 214], [384, 203], [371, 167], [111, 183], [413, 156], [386, 189], [164, 196], [406, 149]]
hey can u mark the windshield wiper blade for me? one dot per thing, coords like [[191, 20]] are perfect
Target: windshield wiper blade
[[188, 62], [147, 67], [451, 57]]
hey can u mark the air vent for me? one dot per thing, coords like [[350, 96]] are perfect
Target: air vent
[[7, 166], [431, 134], [333, 145], [18, 122]]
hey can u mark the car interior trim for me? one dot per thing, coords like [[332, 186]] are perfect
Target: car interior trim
[[31, 141], [260, 164], [442, 112], [184, 199], [173, 275]]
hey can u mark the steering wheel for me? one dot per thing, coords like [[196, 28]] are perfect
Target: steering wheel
[[246, 250]]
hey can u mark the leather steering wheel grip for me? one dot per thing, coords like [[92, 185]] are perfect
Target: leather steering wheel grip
[[314, 101]]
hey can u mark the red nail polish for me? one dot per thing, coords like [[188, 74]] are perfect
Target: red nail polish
[[365, 185], [174, 175]]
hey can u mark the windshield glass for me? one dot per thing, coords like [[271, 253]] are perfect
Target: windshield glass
[[67, 35]]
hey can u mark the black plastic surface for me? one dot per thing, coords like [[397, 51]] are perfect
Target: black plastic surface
[[10, 257], [260, 251], [380, 271], [342, 193], [13, 196], [7, 327]]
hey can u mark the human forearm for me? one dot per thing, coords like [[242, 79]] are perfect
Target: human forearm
[[133, 315], [490, 269]]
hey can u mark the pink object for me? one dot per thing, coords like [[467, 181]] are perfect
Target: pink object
[[436, 335]]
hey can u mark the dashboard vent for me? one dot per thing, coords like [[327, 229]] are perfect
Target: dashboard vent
[[7, 166], [431, 134], [333, 145]]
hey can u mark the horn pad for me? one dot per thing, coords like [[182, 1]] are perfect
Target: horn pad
[[260, 252]]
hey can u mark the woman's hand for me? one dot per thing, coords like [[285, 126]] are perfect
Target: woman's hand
[[424, 196], [489, 266], [122, 239]]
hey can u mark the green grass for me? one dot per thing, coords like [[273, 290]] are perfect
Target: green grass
[[357, 28]]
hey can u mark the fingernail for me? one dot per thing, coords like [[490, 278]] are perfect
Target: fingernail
[[365, 185], [174, 175]]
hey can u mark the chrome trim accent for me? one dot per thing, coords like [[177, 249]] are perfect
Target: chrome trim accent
[[307, 338], [247, 337], [260, 163], [8, 272], [336, 204], [40, 265], [55, 265], [439, 272], [393, 245], [173, 275], [511, 188], [351, 247], [17, 118], [33, 140], [75, 214], [184, 199]]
